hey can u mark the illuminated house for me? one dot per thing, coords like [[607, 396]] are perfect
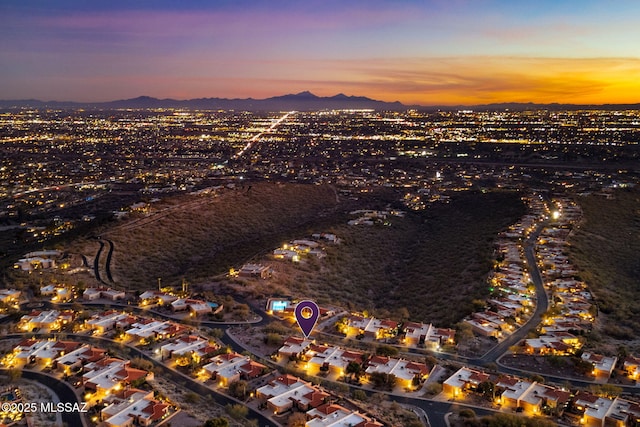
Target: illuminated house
[[371, 327], [75, 359], [56, 293], [282, 393], [287, 254], [631, 367], [464, 379], [133, 407], [36, 351], [92, 294], [294, 347], [255, 270], [558, 343], [9, 296], [530, 396], [602, 365], [156, 297], [229, 367], [106, 321], [404, 370], [334, 359], [34, 263], [332, 415], [153, 329], [601, 411], [110, 374], [426, 335], [195, 307], [50, 320], [191, 345]]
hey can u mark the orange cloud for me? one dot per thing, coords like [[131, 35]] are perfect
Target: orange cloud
[[473, 80]]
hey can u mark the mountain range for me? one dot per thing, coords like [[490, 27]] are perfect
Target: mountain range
[[303, 101]]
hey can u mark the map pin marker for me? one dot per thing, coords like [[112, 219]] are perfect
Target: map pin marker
[[307, 314]]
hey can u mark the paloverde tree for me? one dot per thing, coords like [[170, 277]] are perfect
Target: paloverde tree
[[354, 369]]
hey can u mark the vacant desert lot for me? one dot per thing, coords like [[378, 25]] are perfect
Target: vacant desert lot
[[605, 250], [429, 265]]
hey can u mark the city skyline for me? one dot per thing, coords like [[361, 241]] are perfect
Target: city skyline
[[425, 53]]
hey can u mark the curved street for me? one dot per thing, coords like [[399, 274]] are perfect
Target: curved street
[[435, 409], [96, 261], [542, 305], [64, 392], [198, 387]]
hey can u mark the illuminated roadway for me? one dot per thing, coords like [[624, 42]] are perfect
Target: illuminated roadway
[[255, 138]]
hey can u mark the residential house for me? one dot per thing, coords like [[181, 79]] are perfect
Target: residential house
[[156, 297], [9, 296], [602, 365], [132, 407], [334, 359], [190, 345], [464, 379], [46, 321], [405, 371], [255, 270], [631, 366], [332, 415], [74, 360], [230, 367], [110, 374], [41, 351], [92, 294], [426, 335], [286, 391], [149, 329], [530, 396], [105, 321], [372, 328], [293, 347]]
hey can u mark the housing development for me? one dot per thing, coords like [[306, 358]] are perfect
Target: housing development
[[467, 265]]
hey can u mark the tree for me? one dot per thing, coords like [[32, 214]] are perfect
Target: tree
[[581, 366], [237, 411], [354, 369], [359, 395], [239, 389], [383, 381], [297, 419], [273, 339], [467, 413], [487, 389], [464, 332], [537, 378], [386, 350], [191, 397], [432, 389]]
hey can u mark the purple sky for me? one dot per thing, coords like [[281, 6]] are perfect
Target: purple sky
[[427, 52]]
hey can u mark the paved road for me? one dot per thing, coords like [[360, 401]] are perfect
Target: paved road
[[175, 376], [108, 263], [96, 262], [542, 305], [63, 390], [437, 410]]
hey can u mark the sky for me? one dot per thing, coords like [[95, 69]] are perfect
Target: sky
[[429, 52]]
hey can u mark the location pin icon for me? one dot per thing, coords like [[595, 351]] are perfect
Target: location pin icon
[[307, 314]]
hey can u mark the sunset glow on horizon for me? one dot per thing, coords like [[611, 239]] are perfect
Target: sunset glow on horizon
[[415, 52]]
